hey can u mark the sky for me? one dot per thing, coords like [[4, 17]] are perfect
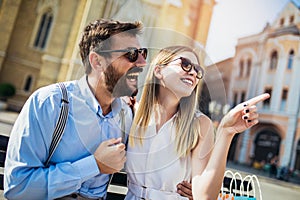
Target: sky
[[233, 19]]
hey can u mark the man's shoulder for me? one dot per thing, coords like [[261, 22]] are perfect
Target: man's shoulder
[[52, 91]]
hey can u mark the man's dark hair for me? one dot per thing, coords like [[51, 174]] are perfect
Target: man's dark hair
[[96, 34]]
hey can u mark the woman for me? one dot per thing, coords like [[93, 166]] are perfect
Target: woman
[[171, 140]]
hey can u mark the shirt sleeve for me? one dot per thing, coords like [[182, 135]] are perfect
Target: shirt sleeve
[[25, 176]]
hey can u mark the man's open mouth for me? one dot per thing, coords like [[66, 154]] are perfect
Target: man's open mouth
[[133, 73]]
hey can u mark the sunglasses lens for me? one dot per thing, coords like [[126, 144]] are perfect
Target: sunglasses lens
[[144, 52], [199, 71], [186, 64], [132, 55]]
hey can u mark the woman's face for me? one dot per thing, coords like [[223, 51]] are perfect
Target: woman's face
[[175, 79]]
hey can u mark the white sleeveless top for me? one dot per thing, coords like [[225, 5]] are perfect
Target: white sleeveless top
[[154, 169]]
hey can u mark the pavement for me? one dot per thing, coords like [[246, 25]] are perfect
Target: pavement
[[7, 120], [293, 182]]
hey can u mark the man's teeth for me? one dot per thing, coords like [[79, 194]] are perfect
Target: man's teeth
[[132, 76], [187, 81]]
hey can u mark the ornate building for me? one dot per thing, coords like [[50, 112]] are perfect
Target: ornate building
[[270, 62], [39, 38]]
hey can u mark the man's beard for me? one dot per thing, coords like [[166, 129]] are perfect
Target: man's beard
[[116, 83]]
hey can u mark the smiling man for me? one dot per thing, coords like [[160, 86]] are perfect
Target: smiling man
[[91, 147]]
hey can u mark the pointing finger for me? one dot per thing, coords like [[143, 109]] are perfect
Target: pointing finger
[[257, 99]]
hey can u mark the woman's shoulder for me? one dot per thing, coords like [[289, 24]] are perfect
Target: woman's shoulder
[[205, 122], [201, 116]]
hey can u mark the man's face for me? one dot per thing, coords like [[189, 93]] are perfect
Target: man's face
[[121, 74]]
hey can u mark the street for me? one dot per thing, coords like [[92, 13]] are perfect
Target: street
[[270, 191], [273, 191]]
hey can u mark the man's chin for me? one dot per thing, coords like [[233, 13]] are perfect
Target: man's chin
[[121, 92]]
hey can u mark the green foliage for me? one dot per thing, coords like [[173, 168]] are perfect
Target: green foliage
[[7, 90]]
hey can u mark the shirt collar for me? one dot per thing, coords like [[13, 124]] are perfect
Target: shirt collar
[[92, 101]]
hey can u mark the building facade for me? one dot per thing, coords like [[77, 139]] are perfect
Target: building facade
[[39, 38], [270, 62]]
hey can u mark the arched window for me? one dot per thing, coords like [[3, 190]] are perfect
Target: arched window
[[28, 84], [284, 97], [266, 103], [281, 21], [43, 30], [290, 59], [292, 19], [243, 97], [249, 63], [274, 60], [241, 68], [297, 163], [235, 99]]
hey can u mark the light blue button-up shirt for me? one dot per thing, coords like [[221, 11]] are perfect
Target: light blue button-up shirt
[[73, 167]]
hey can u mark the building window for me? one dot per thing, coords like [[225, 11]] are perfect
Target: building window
[[281, 21], [249, 63], [43, 30], [292, 19], [290, 59], [243, 97], [241, 68], [297, 163], [235, 99], [284, 96], [274, 60], [266, 103], [28, 84]]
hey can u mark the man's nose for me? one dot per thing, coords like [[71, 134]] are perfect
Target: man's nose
[[141, 61]]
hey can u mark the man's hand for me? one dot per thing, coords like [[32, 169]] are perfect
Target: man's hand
[[185, 189], [110, 156]]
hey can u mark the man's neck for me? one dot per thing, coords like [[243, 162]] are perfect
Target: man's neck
[[103, 96], [105, 102]]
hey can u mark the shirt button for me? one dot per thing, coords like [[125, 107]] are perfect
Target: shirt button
[[105, 120]]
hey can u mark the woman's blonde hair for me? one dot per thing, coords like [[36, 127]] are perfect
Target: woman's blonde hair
[[187, 128]]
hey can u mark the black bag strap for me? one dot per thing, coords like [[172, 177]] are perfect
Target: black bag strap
[[60, 124]]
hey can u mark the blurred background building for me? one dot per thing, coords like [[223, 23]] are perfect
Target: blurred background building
[[39, 46], [39, 38], [267, 62]]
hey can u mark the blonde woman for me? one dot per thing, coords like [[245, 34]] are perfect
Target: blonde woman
[[171, 141]]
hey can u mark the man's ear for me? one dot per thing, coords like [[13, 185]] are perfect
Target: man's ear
[[157, 72], [95, 61]]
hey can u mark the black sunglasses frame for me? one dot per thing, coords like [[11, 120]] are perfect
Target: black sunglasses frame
[[187, 66], [131, 54]]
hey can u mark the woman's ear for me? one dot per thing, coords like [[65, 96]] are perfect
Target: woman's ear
[[157, 72]]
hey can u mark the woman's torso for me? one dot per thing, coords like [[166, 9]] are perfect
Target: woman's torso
[[154, 168]]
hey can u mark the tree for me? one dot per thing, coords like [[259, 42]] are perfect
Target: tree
[[6, 90]]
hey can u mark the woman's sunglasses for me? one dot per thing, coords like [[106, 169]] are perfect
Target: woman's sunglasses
[[131, 54], [187, 66]]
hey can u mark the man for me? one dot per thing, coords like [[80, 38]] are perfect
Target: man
[[91, 147]]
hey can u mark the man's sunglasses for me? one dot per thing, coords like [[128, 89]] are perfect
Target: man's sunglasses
[[131, 53], [187, 66]]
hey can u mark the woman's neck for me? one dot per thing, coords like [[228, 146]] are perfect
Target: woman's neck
[[166, 108]]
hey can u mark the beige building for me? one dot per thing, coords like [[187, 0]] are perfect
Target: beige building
[[39, 38], [270, 62]]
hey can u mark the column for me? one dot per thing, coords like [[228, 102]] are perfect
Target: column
[[277, 84], [244, 146]]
